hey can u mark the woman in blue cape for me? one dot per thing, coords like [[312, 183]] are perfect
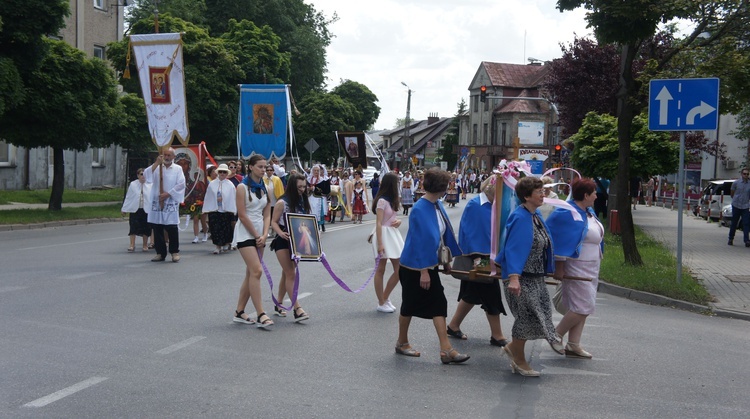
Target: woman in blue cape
[[421, 290], [579, 246], [525, 258]]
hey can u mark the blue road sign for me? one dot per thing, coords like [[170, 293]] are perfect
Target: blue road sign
[[683, 104]]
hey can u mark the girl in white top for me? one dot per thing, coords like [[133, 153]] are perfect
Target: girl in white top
[[250, 232], [387, 241]]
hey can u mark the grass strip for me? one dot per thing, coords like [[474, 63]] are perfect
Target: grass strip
[[658, 275], [34, 216], [41, 196]]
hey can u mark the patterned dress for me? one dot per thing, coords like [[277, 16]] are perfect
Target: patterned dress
[[532, 309]]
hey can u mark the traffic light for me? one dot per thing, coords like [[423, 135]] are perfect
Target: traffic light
[[558, 150], [483, 93]]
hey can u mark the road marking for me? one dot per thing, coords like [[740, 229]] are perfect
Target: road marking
[[329, 285], [70, 244], [83, 275], [65, 392], [8, 289], [178, 346], [570, 371]]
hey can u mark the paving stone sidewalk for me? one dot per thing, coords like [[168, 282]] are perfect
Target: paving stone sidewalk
[[724, 269]]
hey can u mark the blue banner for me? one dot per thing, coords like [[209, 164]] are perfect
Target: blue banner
[[264, 119]]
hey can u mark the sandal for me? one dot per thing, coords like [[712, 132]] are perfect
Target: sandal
[[264, 322], [279, 311], [458, 334], [300, 315], [239, 319], [451, 356], [131, 249], [406, 349], [150, 246], [145, 249]]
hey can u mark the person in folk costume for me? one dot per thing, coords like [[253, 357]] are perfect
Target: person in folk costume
[[407, 196], [335, 196], [320, 187], [136, 203], [360, 200], [221, 205], [250, 234], [167, 193], [295, 201], [451, 195]]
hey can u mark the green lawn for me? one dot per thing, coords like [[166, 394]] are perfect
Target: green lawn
[[658, 275], [41, 196], [34, 216]]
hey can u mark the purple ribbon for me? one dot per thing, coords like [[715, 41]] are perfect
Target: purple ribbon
[[341, 283]]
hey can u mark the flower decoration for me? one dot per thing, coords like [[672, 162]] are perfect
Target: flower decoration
[[511, 171]]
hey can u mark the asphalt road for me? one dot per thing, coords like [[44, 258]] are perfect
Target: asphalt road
[[88, 330]]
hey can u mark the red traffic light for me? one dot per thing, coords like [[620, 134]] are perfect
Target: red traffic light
[[558, 147], [483, 89]]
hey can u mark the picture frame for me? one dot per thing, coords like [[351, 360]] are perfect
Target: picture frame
[[304, 237]]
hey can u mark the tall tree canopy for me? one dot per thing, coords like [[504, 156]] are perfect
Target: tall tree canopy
[[321, 114], [363, 100]]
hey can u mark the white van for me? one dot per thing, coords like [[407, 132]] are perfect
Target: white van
[[715, 195]]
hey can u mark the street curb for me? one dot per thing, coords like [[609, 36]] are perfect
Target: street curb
[[660, 300], [53, 224]]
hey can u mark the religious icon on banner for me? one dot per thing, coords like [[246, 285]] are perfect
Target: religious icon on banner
[[352, 146], [263, 119], [159, 84]]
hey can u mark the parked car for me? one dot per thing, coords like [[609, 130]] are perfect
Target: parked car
[[715, 196], [726, 215]]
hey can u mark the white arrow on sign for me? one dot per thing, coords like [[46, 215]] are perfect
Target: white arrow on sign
[[703, 109], [664, 97]]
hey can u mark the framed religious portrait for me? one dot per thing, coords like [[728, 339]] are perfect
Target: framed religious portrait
[[304, 237], [159, 85]]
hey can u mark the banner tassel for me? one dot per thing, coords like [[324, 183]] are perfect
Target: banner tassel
[[126, 73]]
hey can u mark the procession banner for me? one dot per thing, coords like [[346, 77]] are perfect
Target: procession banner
[[161, 73], [192, 159], [354, 147], [265, 117]]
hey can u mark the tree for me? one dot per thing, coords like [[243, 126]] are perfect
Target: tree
[[446, 152], [24, 24], [258, 52], [71, 104], [596, 149], [188, 10], [363, 100], [321, 115], [629, 25]]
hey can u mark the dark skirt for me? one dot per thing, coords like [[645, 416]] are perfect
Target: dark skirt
[[418, 302], [220, 225], [488, 295], [139, 223]]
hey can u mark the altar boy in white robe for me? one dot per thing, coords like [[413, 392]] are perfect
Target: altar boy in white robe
[[165, 204]]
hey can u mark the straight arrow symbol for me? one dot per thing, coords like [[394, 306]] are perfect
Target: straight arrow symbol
[[664, 97]]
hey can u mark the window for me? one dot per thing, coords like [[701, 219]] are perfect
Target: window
[[97, 157], [487, 104], [6, 154], [99, 4], [99, 52], [484, 134], [503, 133], [474, 134], [476, 103]]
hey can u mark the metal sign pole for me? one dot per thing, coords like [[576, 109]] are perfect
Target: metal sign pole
[[680, 198]]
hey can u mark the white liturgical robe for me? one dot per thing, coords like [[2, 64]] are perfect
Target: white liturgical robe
[[174, 183]]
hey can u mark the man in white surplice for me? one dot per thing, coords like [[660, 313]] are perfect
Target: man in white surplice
[[165, 206]]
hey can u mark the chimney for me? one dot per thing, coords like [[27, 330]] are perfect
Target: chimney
[[432, 118]]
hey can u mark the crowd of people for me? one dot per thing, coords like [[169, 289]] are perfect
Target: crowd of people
[[247, 212]]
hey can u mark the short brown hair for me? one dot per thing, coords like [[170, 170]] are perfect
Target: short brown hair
[[436, 180], [580, 187], [526, 186]]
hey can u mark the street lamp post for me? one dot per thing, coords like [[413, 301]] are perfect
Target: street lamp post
[[406, 125]]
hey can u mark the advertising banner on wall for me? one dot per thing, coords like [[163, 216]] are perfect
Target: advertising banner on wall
[[531, 133], [535, 157]]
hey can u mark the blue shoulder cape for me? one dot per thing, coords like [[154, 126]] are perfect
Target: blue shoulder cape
[[567, 233], [474, 235], [519, 236], [423, 238]]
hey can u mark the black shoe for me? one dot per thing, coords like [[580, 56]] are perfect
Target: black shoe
[[730, 243], [323, 227], [747, 244], [498, 342]]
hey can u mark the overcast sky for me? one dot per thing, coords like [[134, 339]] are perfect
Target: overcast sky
[[436, 46]]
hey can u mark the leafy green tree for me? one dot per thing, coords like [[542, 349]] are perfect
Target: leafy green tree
[[258, 52], [72, 104], [363, 100], [24, 24], [596, 148], [446, 152], [188, 10], [629, 25], [321, 115]]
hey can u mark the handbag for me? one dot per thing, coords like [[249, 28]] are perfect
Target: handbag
[[557, 300], [444, 252]]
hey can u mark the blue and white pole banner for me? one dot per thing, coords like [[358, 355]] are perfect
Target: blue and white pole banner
[[354, 146], [265, 118], [535, 157], [158, 57]]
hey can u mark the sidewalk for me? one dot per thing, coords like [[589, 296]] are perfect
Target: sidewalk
[[724, 270], [21, 206]]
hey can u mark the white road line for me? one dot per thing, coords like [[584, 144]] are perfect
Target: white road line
[[329, 285], [178, 346], [70, 244], [83, 275], [65, 392], [11, 288]]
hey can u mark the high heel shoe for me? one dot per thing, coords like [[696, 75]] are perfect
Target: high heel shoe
[[526, 373], [557, 346], [574, 350], [452, 356]]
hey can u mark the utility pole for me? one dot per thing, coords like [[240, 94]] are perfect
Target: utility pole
[[404, 155]]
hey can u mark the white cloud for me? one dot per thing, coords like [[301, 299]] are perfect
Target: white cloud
[[436, 46]]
